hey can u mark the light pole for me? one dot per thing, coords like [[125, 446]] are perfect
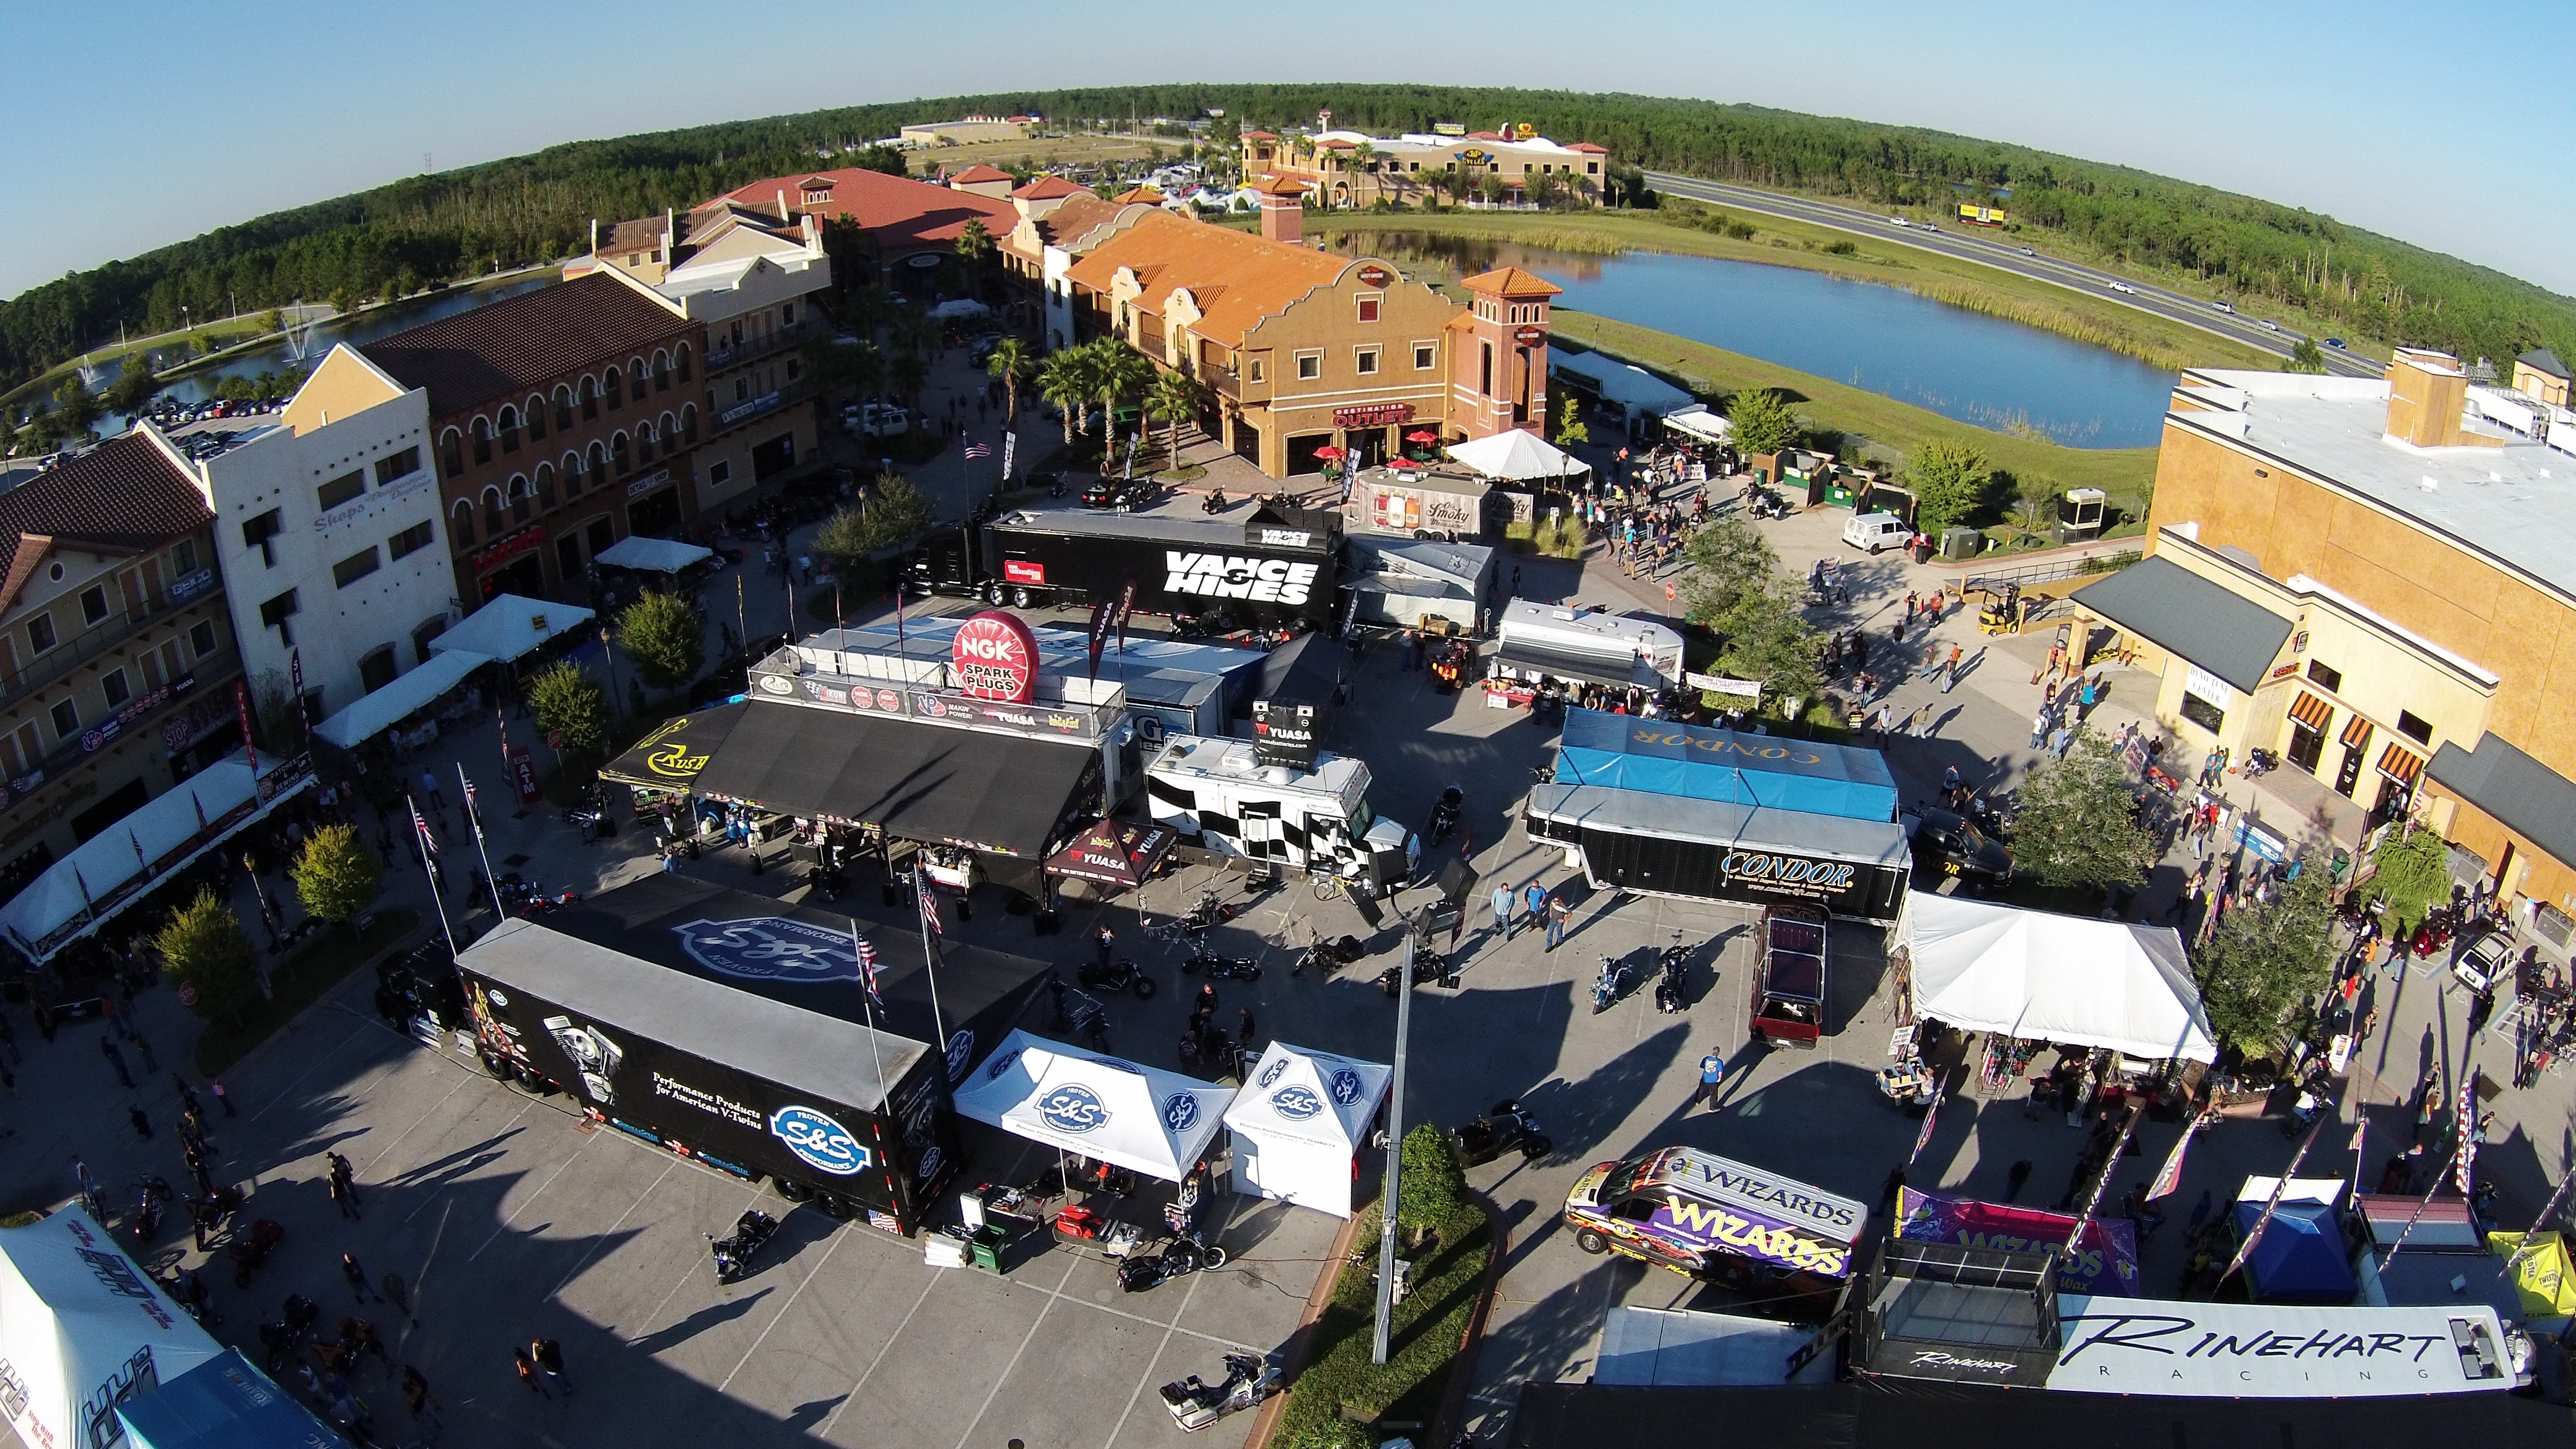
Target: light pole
[[1394, 1153], [616, 710]]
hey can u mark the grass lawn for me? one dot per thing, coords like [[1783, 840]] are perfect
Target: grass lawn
[[303, 979], [1423, 1346]]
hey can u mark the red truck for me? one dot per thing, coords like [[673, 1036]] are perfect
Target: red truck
[[1789, 995]]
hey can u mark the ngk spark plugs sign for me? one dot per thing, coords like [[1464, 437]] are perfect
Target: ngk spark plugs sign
[[996, 658], [2266, 1350], [1230, 576]]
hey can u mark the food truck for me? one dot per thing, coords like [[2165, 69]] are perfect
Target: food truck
[[1789, 996], [1707, 1216]]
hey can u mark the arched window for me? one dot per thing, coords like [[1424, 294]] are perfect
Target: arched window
[[643, 379], [661, 372], [451, 452], [618, 449], [670, 435], [572, 475], [615, 389], [521, 496], [684, 362], [597, 473], [482, 441], [563, 407], [689, 424], [590, 397], [491, 512], [509, 428], [536, 418], [644, 442], [545, 485], [460, 524]]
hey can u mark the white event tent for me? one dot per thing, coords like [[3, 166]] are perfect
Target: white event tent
[[1140, 1118], [651, 555], [380, 710], [1698, 423], [1297, 1123], [509, 627], [79, 1325], [2038, 976], [1518, 454]]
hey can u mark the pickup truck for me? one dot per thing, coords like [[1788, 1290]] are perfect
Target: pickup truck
[[1789, 997]]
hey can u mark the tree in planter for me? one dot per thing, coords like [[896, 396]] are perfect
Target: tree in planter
[[1768, 638], [2410, 873], [570, 703], [2078, 823], [336, 875], [1949, 481], [1762, 422], [1064, 381], [203, 948], [664, 637], [1569, 423], [1121, 373], [1172, 401], [2265, 959]]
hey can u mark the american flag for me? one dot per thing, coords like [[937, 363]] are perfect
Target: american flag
[[977, 450], [929, 904], [420, 827], [473, 816], [2464, 1161], [867, 965]]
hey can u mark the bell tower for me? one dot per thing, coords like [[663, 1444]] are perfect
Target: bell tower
[[1498, 367]]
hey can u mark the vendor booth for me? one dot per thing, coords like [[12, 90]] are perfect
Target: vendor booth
[[1140, 1118], [651, 555], [415, 693], [669, 758], [1700, 425], [1298, 1123], [1118, 853], [2301, 1256], [81, 1328], [2036, 976], [1518, 455], [222, 1404], [510, 627], [115, 868]]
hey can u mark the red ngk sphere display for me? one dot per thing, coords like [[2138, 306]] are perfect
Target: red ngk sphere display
[[996, 658]]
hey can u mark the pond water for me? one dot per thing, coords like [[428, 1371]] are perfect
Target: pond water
[[1960, 364]]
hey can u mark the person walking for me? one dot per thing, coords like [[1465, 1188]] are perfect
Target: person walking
[[1950, 672], [528, 1374], [1104, 942], [356, 1273], [116, 1059], [1712, 1075], [423, 1404], [392, 1287], [220, 1099], [344, 1186], [143, 1124], [1503, 910], [549, 1356], [143, 1044], [1558, 914], [429, 787]]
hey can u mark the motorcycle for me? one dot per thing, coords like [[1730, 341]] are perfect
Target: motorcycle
[[1444, 816], [1505, 1129], [1672, 992], [1209, 912], [1426, 969], [1214, 502], [733, 1253], [2259, 762], [1183, 1256], [1120, 975], [1195, 1405], [145, 1225], [248, 1253], [589, 814], [2432, 933], [1331, 956], [1610, 985], [525, 897], [1221, 968]]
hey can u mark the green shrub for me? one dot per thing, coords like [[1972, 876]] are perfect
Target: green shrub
[[1433, 1188]]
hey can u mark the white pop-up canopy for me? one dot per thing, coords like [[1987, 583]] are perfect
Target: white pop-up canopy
[[1518, 454], [1299, 1119], [2038, 976], [1696, 421], [1140, 1118], [79, 1325], [651, 555], [509, 626], [380, 710]]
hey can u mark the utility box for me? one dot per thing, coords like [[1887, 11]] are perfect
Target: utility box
[[1961, 542], [2079, 515]]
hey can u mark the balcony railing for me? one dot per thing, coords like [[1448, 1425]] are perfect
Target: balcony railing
[[752, 349], [90, 643], [1225, 384], [139, 714]]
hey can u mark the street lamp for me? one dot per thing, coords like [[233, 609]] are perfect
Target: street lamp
[[611, 652]]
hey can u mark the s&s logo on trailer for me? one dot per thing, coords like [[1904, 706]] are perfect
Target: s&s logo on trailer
[[1073, 1107], [818, 1141], [961, 1050], [770, 948]]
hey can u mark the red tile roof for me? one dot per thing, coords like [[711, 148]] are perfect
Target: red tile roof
[[1046, 188], [980, 172], [505, 348], [1260, 135], [1511, 282], [1587, 146], [124, 496], [1237, 278], [897, 212]]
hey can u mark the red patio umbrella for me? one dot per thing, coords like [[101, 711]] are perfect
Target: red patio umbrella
[[1329, 453], [1423, 436]]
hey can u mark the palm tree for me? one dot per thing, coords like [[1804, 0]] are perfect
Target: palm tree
[[1122, 371], [1172, 400], [1064, 380], [975, 241], [1010, 363]]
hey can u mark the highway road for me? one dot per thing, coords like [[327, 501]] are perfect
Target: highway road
[[1967, 244]]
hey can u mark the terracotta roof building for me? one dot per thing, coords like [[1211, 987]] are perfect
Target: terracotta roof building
[[1410, 169], [983, 180], [898, 215]]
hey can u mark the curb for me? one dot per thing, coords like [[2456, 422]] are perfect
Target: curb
[[1453, 1400], [1293, 1354]]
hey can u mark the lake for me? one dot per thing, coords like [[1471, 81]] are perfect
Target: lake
[[1960, 364]]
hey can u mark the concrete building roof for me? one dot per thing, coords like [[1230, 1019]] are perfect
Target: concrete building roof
[[2513, 504], [2223, 632]]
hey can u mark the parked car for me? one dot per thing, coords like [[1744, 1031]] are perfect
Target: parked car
[[883, 420], [1121, 495], [1949, 843], [2486, 963], [1875, 531]]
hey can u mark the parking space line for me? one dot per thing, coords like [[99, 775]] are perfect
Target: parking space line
[[415, 1123], [428, 1198], [837, 1239], [682, 1281], [319, 1063], [532, 1197], [612, 1230], [825, 1433], [1005, 1375], [1168, 1331]]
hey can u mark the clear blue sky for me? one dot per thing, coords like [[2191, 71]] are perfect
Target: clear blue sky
[[134, 125]]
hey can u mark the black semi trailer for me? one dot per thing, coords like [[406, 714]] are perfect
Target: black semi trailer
[[1280, 563], [855, 1120], [1709, 850]]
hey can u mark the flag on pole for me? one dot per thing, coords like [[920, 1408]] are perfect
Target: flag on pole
[[2539, 1225], [1126, 606], [420, 827], [929, 904], [473, 816], [1101, 610], [2102, 1179], [867, 965], [975, 451], [2169, 1177], [1923, 1138], [137, 843], [1010, 452], [2464, 1160]]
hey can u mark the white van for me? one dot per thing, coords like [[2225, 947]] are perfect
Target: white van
[[1874, 531]]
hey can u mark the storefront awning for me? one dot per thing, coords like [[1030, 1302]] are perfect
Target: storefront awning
[[651, 555], [509, 627], [1527, 661], [407, 695], [2312, 712], [991, 792], [671, 756], [1114, 852], [2179, 611], [2524, 795]]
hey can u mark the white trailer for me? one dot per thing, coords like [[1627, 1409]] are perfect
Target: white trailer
[[1221, 798]]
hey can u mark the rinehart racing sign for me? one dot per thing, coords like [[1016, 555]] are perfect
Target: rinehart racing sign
[[2277, 1351], [1231, 576]]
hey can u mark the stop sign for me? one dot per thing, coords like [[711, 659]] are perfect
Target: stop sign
[[187, 995]]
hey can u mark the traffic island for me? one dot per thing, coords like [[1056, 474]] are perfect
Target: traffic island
[[1341, 1400]]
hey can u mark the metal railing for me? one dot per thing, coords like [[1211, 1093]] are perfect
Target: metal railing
[[69, 654], [2040, 571], [138, 715], [752, 349]]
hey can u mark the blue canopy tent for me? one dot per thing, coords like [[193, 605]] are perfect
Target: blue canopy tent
[[1661, 757], [222, 1403], [2301, 1259]]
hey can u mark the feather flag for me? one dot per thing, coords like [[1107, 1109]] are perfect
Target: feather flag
[[2464, 1160], [2169, 1177]]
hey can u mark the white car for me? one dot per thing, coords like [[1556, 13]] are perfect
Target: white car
[[2268, 325], [1874, 531], [884, 420], [1898, 222], [2124, 287], [2025, 251], [2222, 307]]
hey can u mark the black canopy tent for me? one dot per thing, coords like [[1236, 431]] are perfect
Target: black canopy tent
[[1529, 661], [1119, 853], [1000, 794], [672, 755], [802, 955]]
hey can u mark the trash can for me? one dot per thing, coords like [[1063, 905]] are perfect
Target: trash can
[[1920, 547], [986, 1246]]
